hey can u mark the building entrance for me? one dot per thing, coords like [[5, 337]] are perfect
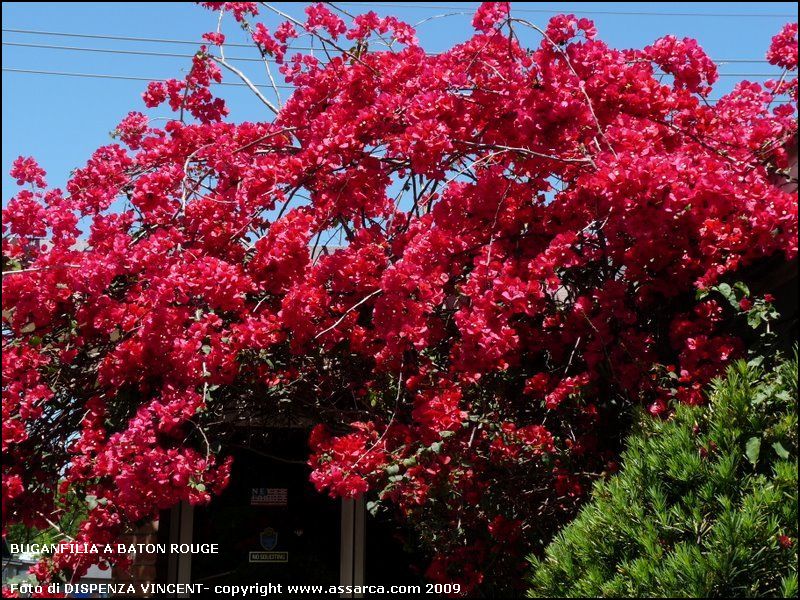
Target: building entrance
[[272, 526], [270, 523]]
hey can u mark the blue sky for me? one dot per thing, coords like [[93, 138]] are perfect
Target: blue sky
[[61, 120]]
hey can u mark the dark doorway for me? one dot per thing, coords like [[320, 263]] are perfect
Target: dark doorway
[[270, 523], [389, 553]]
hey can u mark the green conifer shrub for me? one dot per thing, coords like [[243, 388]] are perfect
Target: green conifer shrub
[[704, 505]]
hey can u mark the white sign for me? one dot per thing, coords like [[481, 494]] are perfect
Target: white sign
[[269, 497]]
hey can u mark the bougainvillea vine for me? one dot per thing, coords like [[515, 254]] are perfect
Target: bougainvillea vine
[[524, 228]]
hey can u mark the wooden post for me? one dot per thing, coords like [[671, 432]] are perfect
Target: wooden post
[[352, 547]]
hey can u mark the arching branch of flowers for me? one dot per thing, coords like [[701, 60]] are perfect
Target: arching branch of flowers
[[581, 83], [320, 37]]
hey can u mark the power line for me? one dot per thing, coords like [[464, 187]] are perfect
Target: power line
[[123, 38], [137, 78], [125, 77], [119, 51], [562, 10], [234, 45], [238, 58], [738, 61], [95, 36]]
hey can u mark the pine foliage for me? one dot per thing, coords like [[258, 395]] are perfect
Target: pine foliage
[[705, 503]]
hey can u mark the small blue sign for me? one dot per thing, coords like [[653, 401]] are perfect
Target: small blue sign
[[269, 539]]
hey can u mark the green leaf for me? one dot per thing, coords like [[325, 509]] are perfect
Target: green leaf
[[742, 287], [780, 450], [752, 449], [728, 293], [754, 318]]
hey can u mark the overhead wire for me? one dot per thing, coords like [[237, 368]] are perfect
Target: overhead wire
[[230, 44], [592, 11], [141, 78], [232, 58], [126, 77]]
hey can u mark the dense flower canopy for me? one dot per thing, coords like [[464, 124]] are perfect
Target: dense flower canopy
[[524, 234]]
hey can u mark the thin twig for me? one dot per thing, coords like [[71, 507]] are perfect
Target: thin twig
[[41, 269], [316, 34], [348, 311], [246, 81]]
